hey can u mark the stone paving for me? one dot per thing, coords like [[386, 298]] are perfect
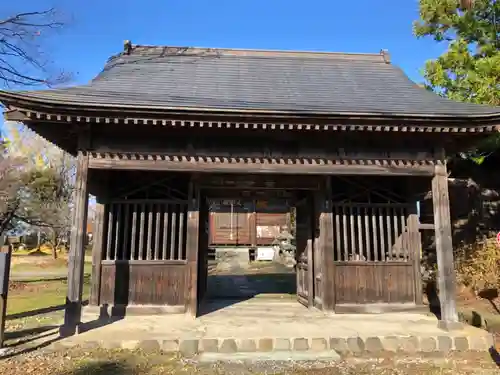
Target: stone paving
[[263, 279], [264, 325], [264, 317]]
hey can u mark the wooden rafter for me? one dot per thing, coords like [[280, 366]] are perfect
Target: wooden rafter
[[26, 115]]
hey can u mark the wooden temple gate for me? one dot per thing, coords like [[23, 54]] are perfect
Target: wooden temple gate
[[146, 146], [141, 249]]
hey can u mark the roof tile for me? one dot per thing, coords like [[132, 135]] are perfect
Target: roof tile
[[267, 81]]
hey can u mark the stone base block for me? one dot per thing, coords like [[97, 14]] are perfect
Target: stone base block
[[374, 346]]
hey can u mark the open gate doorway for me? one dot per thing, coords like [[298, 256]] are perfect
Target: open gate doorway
[[251, 226]]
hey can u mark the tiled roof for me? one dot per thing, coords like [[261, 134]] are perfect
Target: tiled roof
[[260, 81]]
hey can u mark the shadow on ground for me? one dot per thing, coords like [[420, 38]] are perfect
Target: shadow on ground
[[433, 298], [495, 356], [490, 295], [102, 368], [31, 339], [227, 290], [44, 310], [106, 316], [35, 331], [250, 285]]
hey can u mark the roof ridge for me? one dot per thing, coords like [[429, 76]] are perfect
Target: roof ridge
[[141, 50]]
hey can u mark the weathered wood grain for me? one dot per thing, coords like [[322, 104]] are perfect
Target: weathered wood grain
[[97, 255], [444, 246], [73, 311]]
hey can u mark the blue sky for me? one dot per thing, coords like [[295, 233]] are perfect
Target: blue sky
[[97, 28]]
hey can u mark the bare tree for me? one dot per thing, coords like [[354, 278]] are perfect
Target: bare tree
[[33, 189], [50, 203], [46, 195], [23, 61], [10, 183], [36, 185]]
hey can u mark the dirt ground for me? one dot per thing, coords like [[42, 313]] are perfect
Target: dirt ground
[[99, 362], [30, 296], [468, 300]]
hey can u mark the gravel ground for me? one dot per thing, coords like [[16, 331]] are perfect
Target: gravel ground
[[99, 362]]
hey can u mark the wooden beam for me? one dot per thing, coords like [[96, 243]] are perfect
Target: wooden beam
[[309, 167], [97, 257], [327, 247], [15, 115], [425, 226], [201, 118], [73, 310], [192, 243], [444, 249], [258, 182]]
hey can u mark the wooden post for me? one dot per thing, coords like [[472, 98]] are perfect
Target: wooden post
[[253, 228], [414, 248], [5, 256], [311, 237], [414, 188], [444, 249], [192, 248], [73, 312], [97, 254], [327, 247]]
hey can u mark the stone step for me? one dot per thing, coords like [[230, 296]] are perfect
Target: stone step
[[333, 346], [263, 327]]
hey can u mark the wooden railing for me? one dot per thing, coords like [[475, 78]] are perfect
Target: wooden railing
[[145, 230], [370, 232]]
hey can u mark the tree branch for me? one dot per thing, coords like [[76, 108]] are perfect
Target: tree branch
[[21, 57]]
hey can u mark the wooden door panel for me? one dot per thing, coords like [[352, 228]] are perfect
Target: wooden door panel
[[304, 268]]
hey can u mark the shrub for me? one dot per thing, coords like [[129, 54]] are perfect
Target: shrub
[[478, 265]]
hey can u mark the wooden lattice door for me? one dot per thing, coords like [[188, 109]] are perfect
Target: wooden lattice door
[[304, 269]]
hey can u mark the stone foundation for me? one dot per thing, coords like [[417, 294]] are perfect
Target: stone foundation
[[344, 346]]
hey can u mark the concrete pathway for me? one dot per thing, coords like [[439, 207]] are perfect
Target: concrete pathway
[[254, 280], [232, 279], [262, 325]]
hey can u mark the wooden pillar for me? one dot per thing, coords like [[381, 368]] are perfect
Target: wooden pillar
[[311, 228], [192, 243], [253, 228], [97, 247], [444, 249], [413, 187], [76, 260], [317, 260], [203, 249], [414, 247], [304, 235], [5, 258], [327, 248]]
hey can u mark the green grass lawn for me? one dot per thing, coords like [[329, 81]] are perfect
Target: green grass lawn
[[44, 263], [55, 267], [39, 294]]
